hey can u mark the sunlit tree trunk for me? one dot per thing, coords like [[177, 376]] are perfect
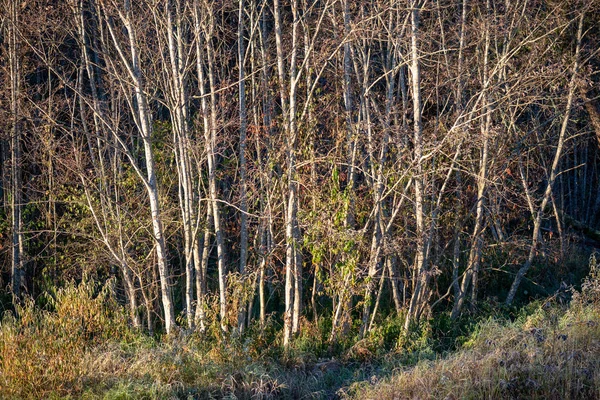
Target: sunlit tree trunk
[[242, 156], [420, 266], [266, 182], [177, 100], [471, 273], [204, 25], [17, 271], [288, 125], [143, 119]]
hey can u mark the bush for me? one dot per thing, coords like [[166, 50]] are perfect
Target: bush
[[42, 351]]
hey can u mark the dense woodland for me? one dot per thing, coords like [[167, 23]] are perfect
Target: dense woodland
[[225, 165]]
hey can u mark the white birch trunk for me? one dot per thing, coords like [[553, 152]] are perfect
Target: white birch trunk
[[242, 157], [16, 192], [420, 262], [144, 125]]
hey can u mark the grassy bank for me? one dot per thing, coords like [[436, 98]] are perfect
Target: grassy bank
[[78, 345], [552, 352]]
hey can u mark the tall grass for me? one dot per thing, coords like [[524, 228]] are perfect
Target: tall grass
[[552, 353], [43, 351], [79, 345]]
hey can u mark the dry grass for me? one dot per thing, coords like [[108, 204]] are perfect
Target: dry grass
[[42, 352], [552, 354], [81, 347], [537, 362]]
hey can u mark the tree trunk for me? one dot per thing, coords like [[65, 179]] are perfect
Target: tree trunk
[[209, 112], [470, 275], [288, 104], [553, 171], [17, 271], [179, 109], [420, 262], [242, 157], [143, 119]]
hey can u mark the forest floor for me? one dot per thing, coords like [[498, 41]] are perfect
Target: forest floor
[[82, 348]]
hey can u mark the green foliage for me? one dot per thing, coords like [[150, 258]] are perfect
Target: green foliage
[[417, 340], [450, 334], [385, 336]]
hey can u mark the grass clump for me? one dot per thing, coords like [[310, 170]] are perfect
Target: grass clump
[[42, 351]]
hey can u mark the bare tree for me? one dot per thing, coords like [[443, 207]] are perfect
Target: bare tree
[[242, 154], [553, 169], [204, 25], [17, 270], [133, 78], [420, 262]]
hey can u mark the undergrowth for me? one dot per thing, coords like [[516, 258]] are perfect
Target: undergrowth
[[79, 345], [550, 351]]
